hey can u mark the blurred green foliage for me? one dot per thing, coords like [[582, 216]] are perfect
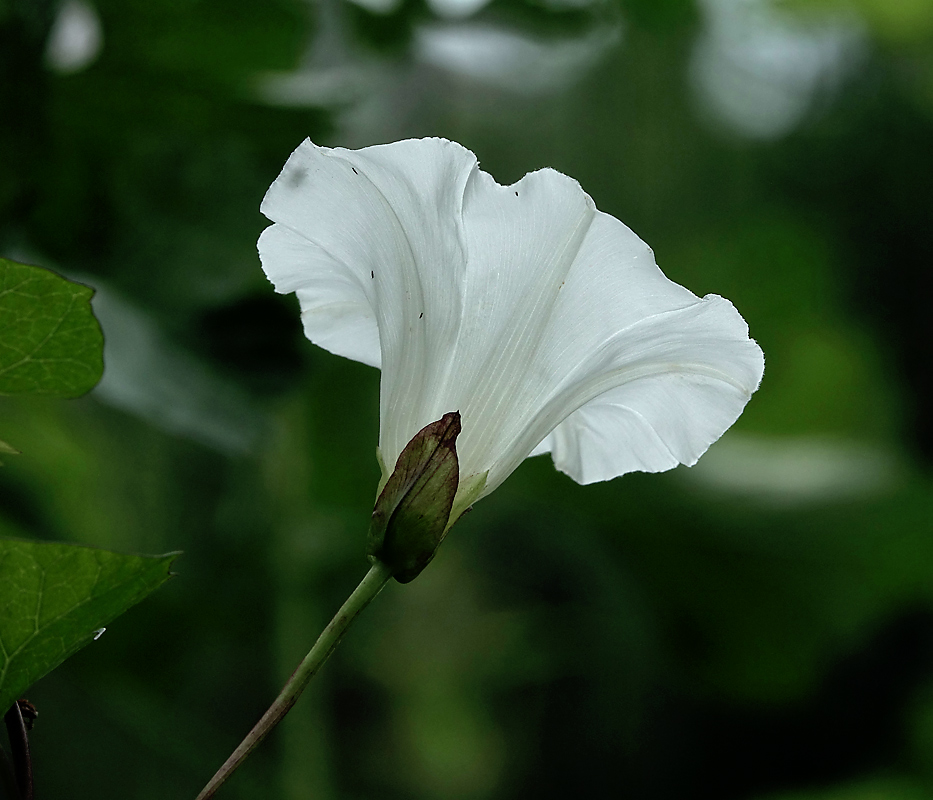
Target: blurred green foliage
[[758, 626]]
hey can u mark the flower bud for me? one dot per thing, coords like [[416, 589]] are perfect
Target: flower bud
[[410, 517]]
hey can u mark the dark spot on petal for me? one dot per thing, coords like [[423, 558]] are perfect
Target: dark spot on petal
[[296, 177], [421, 315], [372, 274], [516, 194], [354, 171]]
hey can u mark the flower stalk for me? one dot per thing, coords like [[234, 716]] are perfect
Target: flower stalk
[[362, 596]]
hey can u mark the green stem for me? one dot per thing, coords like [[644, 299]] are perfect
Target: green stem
[[369, 587]]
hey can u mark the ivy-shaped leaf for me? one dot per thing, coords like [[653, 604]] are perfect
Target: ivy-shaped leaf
[[56, 598], [50, 341]]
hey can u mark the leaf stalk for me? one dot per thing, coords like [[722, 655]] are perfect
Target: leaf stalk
[[19, 749]]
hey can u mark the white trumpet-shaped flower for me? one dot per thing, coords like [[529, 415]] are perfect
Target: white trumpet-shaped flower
[[545, 322]]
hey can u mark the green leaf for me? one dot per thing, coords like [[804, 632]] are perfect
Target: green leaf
[[50, 341], [55, 598], [410, 518]]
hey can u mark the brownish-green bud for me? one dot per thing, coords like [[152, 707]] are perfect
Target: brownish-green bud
[[410, 517]]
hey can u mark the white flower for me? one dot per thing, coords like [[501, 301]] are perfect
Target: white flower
[[545, 322]]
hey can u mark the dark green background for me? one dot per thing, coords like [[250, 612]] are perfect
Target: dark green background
[[759, 626]]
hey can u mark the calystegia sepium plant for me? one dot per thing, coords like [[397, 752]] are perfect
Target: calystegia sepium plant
[[508, 322]]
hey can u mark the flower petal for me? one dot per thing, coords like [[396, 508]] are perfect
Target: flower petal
[[362, 235], [545, 322], [335, 310], [520, 240], [565, 304], [688, 367], [682, 379]]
